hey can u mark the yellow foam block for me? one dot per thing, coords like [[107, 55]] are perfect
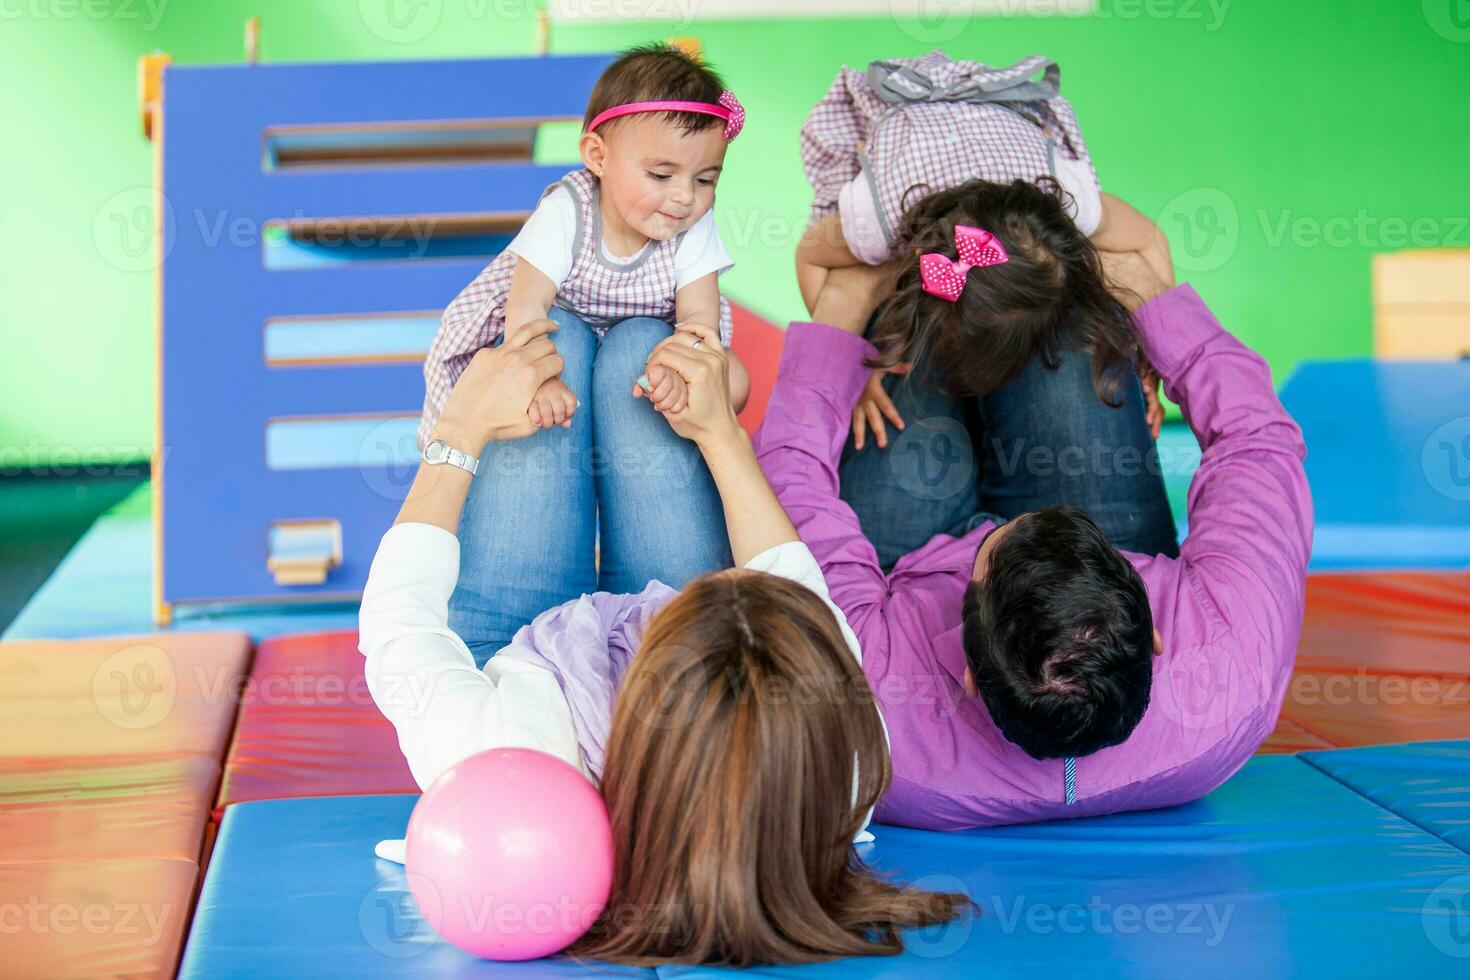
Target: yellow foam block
[[95, 918], [1421, 303], [154, 694]]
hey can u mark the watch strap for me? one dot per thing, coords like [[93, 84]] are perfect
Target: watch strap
[[448, 454]]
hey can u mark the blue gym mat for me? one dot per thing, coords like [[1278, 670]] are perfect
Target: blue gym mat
[[1283, 871], [1388, 457], [1178, 460], [1426, 783]]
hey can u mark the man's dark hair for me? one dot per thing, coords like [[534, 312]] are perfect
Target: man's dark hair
[[1059, 636], [657, 73]]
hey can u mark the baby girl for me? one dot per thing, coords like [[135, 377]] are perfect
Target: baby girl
[[629, 235], [951, 166]]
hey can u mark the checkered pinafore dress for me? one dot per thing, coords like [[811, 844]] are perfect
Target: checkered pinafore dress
[[915, 126], [598, 291]]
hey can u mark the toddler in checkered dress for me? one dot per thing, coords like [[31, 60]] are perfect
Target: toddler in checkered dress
[[630, 235], [902, 155]]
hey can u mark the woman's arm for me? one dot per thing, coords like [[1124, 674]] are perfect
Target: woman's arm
[[757, 523], [423, 678], [487, 404], [753, 515], [420, 673], [699, 302], [754, 518]]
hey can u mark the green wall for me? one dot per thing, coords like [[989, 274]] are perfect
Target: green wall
[[1280, 144]]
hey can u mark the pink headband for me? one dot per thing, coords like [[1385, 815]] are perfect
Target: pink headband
[[728, 109]]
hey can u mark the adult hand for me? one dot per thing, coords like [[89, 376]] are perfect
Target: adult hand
[[695, 355], [850, 294], [491, 398]]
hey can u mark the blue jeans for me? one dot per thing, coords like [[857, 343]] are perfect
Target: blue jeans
[[532, 519], [1043, 440]]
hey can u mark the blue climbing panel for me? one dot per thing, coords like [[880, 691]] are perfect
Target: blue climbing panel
[[297, 192]]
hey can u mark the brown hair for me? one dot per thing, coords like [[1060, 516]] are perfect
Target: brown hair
[[656, 73], [1049, 295], [730, 786]]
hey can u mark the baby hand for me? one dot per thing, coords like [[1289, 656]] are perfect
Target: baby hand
[[1153, 408], [872, 407], [666, 389], [553, 404]]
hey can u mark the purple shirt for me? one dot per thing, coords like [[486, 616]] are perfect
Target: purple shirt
[[1229, 607]]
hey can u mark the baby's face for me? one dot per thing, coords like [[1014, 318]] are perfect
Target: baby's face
[[658, 177]]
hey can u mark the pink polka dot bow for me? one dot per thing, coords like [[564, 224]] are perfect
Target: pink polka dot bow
[[944, 277], [736, 119]]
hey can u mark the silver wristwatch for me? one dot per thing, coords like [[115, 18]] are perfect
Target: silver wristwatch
[[439, 452]]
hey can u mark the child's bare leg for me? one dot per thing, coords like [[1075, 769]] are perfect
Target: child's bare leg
[[1126, 229], [822, 249], [809, 279], [1159, 258]]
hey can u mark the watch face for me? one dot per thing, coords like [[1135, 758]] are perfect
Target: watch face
[[436, 452]]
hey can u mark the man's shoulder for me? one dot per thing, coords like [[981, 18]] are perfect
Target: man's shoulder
[[917, 637]]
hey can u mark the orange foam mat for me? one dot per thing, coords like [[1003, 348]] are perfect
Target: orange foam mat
[[1348, 708], [140, 695], [100, 808], [94, 919], [1406, 621], [308, 726], [1290, 737], [1384, 657]]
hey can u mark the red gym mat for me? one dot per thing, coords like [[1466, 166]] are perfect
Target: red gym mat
[[308, 726], [758, 341], [1384, 658]]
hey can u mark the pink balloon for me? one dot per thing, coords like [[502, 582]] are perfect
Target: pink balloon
[[510, 854]]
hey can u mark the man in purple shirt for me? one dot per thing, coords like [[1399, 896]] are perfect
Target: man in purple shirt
[[1029, 669]]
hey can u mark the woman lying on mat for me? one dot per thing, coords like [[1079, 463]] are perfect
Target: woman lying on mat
[[766, 873]]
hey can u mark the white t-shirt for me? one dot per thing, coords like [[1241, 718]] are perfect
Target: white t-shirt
[[549, 235]]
